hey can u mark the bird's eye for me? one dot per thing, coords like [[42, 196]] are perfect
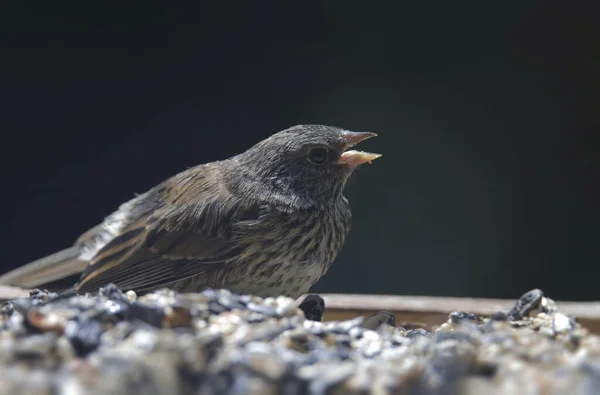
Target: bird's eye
[[318, 155]]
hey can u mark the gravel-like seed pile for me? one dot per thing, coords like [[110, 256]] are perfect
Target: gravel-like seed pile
[[216, 342]]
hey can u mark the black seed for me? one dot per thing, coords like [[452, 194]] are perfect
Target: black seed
[[441, 336], [418, 332], [64, 295], [379, 318], [461, 317], [499, 316], [210, 293], [37, 297], [262, 309], [487, 369], [111, 291], [231, 303], [149, 315], [7, 309], [119, 311], [84, 335], [313, 306], [216, 308], [526, 303]]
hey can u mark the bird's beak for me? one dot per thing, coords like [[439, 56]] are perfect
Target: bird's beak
[[354, 158]]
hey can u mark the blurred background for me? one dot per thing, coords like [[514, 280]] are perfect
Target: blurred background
[[487, 120]]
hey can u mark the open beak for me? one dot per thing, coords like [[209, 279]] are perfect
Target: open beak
[[354, 158]]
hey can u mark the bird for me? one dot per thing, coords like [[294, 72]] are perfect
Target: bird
[[266, 222]]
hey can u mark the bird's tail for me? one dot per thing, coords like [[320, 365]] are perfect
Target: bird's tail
[[58, 266]]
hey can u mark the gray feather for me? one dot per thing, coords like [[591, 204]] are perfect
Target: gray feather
[[53, 267]]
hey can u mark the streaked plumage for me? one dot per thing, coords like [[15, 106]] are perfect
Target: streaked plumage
[[267, 222]]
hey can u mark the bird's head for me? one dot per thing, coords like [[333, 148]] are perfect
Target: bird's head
[[312, 162]]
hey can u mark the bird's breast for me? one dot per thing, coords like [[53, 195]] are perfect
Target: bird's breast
[[288, 254]]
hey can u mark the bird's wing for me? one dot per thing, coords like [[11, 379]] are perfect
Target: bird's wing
[[195, 230]]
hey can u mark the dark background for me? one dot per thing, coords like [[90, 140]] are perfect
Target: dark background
[[487, 120]]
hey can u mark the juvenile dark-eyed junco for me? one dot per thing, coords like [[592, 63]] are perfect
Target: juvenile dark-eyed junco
[[266, 222]]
